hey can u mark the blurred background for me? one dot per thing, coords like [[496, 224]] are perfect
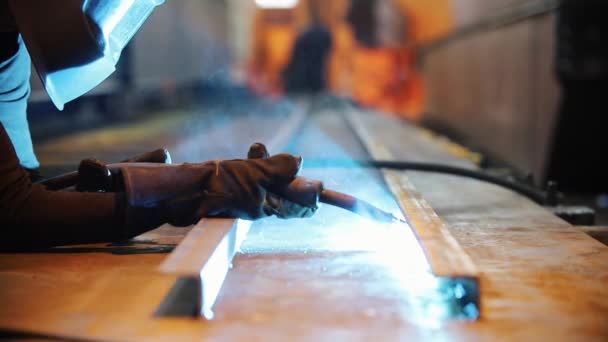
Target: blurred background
[[519, 82]]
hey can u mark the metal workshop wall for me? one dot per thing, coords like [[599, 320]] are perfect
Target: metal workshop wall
[[491, 81]]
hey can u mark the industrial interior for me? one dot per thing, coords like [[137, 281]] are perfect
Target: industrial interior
[[237, 170]]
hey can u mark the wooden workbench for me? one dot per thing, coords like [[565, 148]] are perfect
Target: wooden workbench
[[335, 276]]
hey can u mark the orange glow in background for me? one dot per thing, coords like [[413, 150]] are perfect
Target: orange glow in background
[[383, 77]]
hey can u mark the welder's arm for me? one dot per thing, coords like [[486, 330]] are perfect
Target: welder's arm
[[143, 197], [31, 216]]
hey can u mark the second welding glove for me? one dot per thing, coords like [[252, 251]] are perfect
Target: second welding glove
[[182, 194]]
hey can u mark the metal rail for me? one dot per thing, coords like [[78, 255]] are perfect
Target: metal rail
[[205, 255], [449, 263]]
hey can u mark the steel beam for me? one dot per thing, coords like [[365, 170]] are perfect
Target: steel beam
[[456, 273]]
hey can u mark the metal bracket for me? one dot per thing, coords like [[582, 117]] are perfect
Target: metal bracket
[[204, 257]]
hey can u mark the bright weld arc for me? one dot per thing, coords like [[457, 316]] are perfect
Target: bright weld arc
[[433, 300]]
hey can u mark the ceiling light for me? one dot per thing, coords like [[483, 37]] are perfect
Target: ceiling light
[[275, 4]]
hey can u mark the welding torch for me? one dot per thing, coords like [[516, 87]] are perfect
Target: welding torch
[[310, 192]]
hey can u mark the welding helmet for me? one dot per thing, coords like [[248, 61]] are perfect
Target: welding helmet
[[75, 44]]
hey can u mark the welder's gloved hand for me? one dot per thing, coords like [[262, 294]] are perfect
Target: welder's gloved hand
[[182, 194]]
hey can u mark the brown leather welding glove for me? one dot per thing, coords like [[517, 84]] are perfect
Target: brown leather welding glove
[[183, 194]]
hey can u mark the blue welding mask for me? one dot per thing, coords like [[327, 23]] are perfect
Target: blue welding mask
[[75, 44]]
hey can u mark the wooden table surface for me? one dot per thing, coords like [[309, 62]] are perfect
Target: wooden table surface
[[336, 276]]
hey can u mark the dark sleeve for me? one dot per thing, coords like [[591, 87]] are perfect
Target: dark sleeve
[[31, 216]]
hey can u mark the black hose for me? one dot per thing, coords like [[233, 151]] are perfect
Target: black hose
[[534, 194]]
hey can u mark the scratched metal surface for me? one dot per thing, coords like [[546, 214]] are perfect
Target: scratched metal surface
[[337, 276]]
